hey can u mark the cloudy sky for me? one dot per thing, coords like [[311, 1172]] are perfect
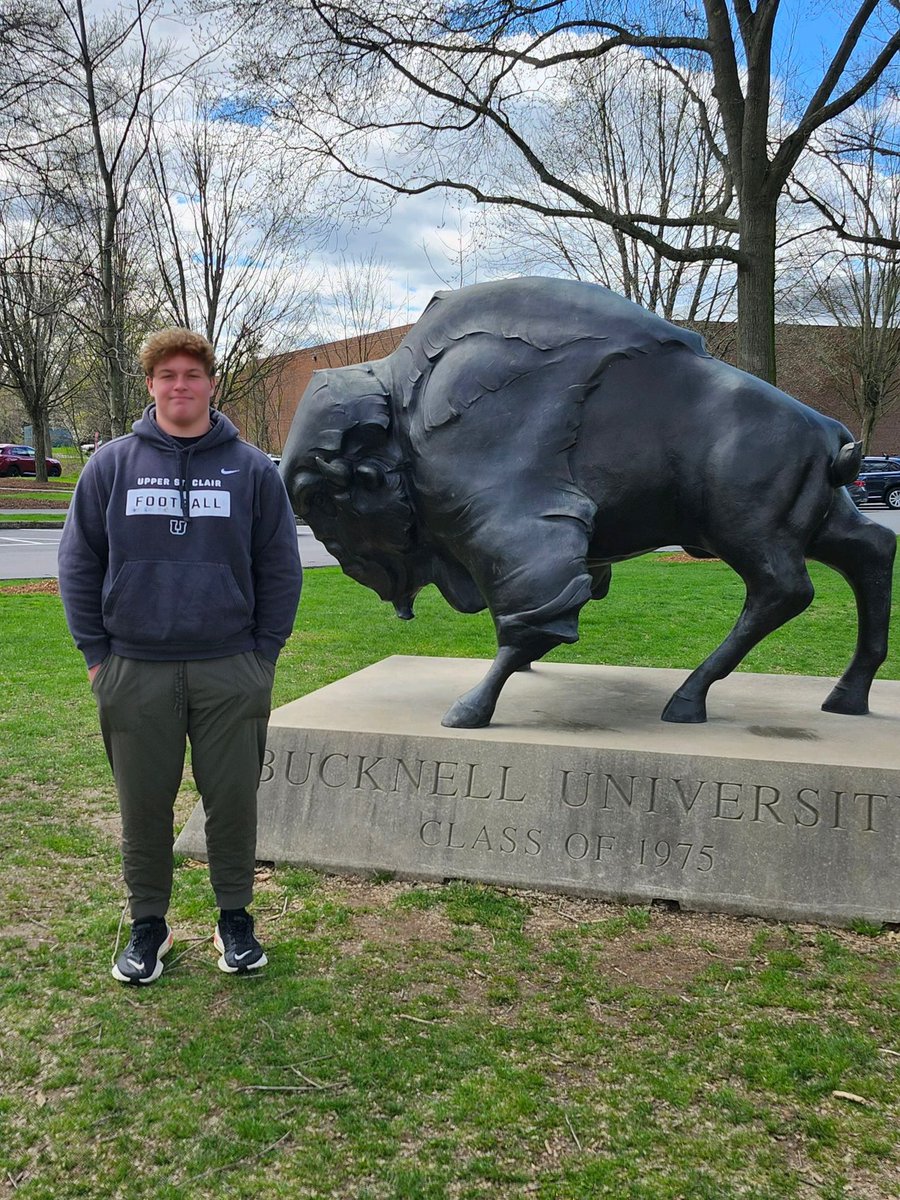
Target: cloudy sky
[[429, 242], [421, 244], [432, 241]]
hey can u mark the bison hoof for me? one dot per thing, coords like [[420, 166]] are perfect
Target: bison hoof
[[844, 701], [468, 712], [684, 711]]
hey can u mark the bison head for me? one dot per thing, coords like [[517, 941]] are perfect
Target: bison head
[[342, 466]]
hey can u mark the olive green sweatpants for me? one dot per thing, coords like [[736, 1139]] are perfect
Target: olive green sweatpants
[[148, 710]]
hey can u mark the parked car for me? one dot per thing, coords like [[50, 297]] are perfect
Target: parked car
[[857, 492], [19, 460], [881, 476], [276, 459]]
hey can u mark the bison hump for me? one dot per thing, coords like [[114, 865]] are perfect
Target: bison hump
[[473, 343]]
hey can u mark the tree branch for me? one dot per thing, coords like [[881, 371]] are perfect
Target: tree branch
[[794, 144], [592, 211]]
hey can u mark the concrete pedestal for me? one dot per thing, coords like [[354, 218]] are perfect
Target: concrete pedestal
[[771, 808]]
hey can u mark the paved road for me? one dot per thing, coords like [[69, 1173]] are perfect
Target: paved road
[[31, 553]]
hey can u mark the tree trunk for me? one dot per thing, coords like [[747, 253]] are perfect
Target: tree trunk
[[756, 290], [40, 431], [870, 415], [109, 331]]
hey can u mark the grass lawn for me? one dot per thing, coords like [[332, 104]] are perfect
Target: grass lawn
[[425, 1042], [71, 462], [24, 494], [60, 495], [39, 514]]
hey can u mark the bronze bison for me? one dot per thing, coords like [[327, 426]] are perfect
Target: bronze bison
[[527, 434]]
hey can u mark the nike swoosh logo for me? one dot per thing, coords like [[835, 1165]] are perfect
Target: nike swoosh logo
[[138, 966], [225, 471], [238, 957]]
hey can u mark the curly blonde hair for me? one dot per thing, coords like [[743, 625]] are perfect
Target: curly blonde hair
[[168, 342]]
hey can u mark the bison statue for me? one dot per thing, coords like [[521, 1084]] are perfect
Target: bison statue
[[527, 434]]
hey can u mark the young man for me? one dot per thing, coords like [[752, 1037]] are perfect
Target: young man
[[180, 576]]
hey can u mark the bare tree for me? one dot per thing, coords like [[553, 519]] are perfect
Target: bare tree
[[423, 96], [12, 414], [354, 305], [264, 401], [228, 240], [855, 284], [456, 251], [37, 332], [628, 125], [81, 144], [117, 90], [864, 300], [29, 40]]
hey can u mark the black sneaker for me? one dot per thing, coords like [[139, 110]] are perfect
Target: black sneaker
[[235, 942], [141, 960]]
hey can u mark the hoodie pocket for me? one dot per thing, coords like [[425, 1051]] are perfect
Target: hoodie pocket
[[158, 603]]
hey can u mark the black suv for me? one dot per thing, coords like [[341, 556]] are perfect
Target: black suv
[[881, 477]]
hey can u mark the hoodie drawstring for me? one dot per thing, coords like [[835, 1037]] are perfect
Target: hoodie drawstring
[[184, 474]]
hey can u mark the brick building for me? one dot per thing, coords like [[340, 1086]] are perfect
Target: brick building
[[807, 356], [290, 374]]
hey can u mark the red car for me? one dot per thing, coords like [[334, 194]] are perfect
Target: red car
[[19, 460], [857, 491]]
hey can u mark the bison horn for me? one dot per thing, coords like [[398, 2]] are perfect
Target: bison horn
[[372, 476], [337, 471]]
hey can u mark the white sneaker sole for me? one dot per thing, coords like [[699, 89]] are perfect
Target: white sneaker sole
[[223, 965], [157, 970]]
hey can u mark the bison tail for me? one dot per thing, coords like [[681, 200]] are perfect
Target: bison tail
[[845, 465]]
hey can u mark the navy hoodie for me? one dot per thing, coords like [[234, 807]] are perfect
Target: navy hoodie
[[172, 552]]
